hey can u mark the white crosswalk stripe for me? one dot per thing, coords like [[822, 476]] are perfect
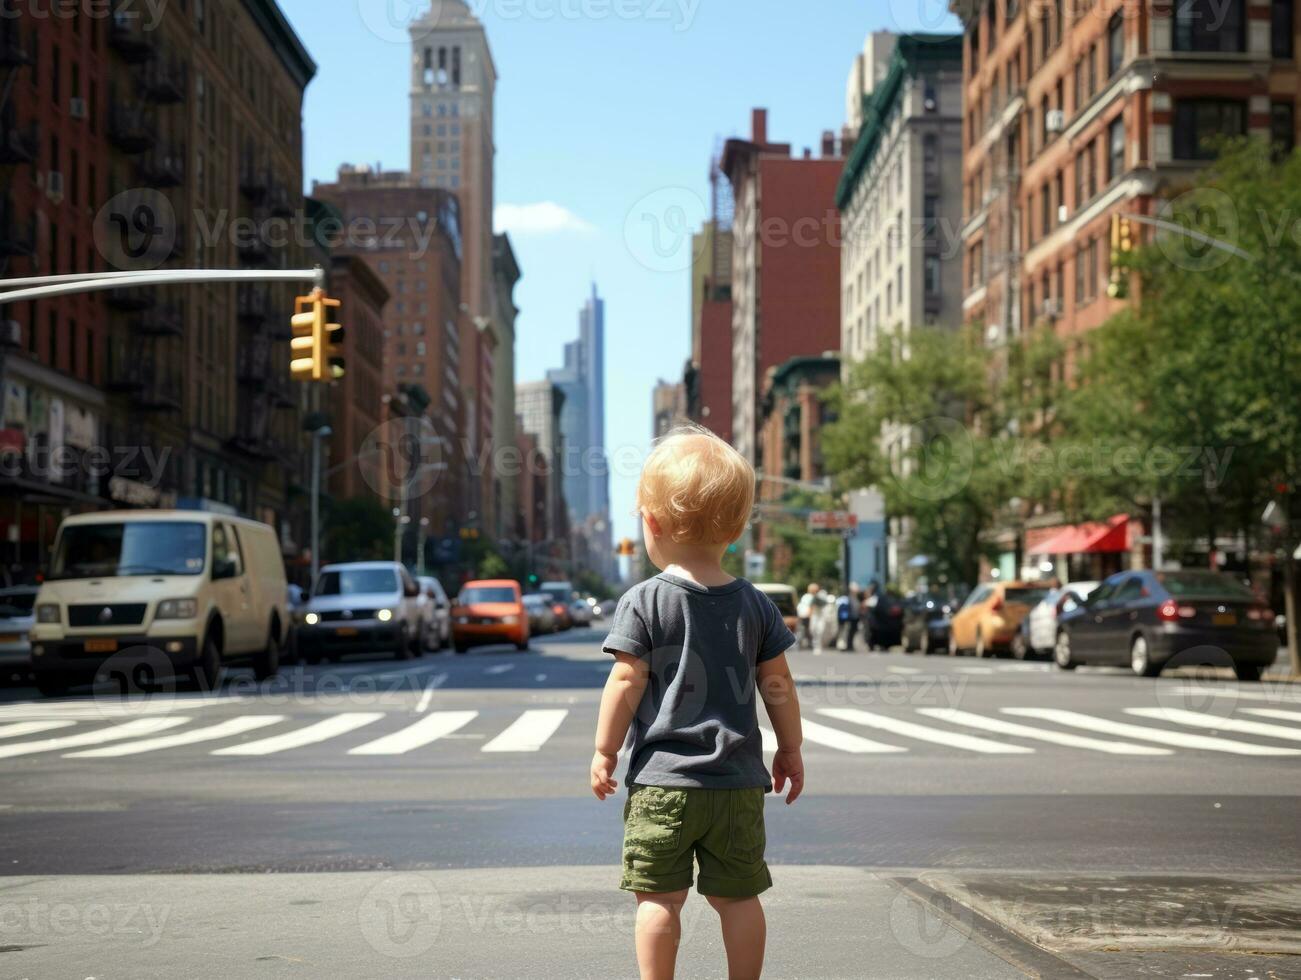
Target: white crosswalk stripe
[[19, 728], [1198, 719], [924, 733], [1293, 716], [321, 731], [529, 732], [112, 710], [428, 729], [1141, 732], [998, 726], [833, 738], [211, 733], [130, 729]]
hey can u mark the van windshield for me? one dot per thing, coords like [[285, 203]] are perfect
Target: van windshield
[[127, 548], [357, 581]]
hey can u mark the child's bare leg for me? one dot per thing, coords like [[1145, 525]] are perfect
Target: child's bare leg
[[659, 930], [744, 933]]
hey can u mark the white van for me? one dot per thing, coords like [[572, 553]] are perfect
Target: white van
[[185, 590]]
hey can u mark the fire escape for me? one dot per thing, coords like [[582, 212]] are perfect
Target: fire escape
[[18, 145]]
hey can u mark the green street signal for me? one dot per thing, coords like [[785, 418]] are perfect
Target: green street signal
[[317, 344]]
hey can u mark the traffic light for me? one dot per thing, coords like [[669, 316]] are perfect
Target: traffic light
[[316, 346], [626, 548], [1122, 243]]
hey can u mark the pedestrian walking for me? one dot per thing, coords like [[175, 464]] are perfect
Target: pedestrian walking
[[847, 616], [806, 611], [696, 776]]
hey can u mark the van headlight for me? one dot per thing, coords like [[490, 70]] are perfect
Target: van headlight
[[384, 615], [177, 609], [311, 619], [47, 612]]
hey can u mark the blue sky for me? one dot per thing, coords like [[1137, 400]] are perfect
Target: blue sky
[[607, 114]]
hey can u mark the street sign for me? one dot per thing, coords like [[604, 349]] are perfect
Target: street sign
[[756, 564], [833, 522]]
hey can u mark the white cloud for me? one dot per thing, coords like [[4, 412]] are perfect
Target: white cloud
[[542, 218]]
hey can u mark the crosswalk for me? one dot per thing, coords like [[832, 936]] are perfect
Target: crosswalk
[[69, 731]]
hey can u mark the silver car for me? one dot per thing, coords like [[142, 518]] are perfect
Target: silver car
[[362, 607], [435, 613], [17, 615]]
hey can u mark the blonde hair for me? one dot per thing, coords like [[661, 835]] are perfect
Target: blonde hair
[[698, 487]]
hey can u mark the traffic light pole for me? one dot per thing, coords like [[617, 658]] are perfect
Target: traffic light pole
[[43, 287]]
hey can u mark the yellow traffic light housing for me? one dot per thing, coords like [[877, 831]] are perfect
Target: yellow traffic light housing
[[1122, 243], [316, 346]]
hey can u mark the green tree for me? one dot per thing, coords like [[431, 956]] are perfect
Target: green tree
[[357, 529]]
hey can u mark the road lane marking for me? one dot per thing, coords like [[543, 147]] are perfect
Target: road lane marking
[[32, 727], [1276, 696], [332, 727], [924, 733], [224, 729], [845, 741], [105, 709], [428, 729], [529, 732], [434, 684], [499, 669], [974, 670], [1178, 739], [540, 678], [903, 670], [130, 729], [1198, 719], [390, 675], [1001, 727], [1293, 716]]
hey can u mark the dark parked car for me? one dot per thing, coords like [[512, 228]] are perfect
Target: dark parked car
[[885, 622], [926, 623], [1151, 620]]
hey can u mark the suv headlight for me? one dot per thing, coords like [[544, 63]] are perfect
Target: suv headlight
[[177, 609], [47, 612], [509, 620], [311, 618], [384, 615]]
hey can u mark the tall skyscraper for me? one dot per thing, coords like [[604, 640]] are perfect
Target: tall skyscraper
[[591, 337]]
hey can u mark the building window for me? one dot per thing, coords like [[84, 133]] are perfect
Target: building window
[[1200, 122], [1210, 25], [1116, 44], [1046, 207], [1282, 128], [932, 275], [1116, 148], [931, 155], [1282, 29]]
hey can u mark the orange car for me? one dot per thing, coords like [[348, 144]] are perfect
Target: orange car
[[490, 612], [990, 617]]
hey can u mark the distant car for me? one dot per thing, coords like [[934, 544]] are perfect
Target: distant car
[[990, 618], [362, 607], [435, 613], [490, 611], [1151, 620], [784, 598], [885, 622], [561, 595], [580, 613], [542, 620], [603, 608], [17, 616], [1038, 633], [926, 623]]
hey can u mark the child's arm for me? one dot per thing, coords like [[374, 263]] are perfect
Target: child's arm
[[777, 688], [622, 695]]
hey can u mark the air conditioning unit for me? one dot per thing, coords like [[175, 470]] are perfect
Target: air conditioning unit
[[11, 333], [54, 186], [1051, 309], [77, 107], [1062, 214], [1055, 121]]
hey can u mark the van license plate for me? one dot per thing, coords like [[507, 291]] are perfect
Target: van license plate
[[1225, 619], [346, 631], [9, 637], [101, 646]]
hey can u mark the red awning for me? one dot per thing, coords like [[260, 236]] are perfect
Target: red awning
[[1091, 538]]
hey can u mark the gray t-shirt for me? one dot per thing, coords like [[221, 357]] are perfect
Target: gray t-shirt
[[697, 724]]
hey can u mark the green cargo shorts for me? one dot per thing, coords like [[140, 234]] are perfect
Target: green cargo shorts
[[722, 829]]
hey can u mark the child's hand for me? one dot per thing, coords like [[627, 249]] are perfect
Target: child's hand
[[603, 781], [788, 764]]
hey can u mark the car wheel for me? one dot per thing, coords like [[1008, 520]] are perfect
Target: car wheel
[[1020, 648], [1062, 652], [52, 685], [462, 648], [1248, 672], [266, 663], [522, 647], [206, 674], [1140, 659]]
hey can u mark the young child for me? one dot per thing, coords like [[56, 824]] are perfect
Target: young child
[[691, 647]]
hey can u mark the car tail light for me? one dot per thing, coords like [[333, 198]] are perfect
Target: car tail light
[[997, 606], [896, 610], [1259, 613], [1171, 612]]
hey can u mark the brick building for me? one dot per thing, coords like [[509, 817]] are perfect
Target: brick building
[[785, 287], [126, 145], [708, 375]]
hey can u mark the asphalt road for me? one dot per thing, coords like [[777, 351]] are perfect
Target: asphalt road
[[951, 804]]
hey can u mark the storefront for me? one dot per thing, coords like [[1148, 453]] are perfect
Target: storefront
[[1082, 552]]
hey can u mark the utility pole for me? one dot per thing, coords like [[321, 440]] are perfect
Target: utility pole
[[317, 436]]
